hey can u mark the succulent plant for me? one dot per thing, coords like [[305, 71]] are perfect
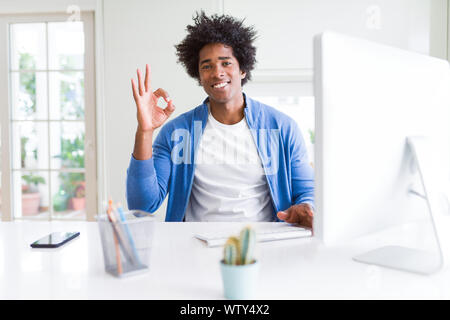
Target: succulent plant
[[247, 240], [231, 252], [239, 251]]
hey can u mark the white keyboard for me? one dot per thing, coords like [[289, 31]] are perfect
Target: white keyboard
[[277, 231]]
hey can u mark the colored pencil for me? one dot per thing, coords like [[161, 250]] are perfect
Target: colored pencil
[[123, 242], [116, 242], [128, 232]]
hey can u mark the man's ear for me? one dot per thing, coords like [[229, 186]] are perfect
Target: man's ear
[[243, 74]]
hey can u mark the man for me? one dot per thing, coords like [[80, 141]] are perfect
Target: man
[[231, 158]]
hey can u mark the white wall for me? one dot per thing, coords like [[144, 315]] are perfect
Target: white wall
[[287, 27], [44, 6]]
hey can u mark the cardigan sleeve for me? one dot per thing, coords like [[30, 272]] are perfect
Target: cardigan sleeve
[[302, 174], [147, 180]]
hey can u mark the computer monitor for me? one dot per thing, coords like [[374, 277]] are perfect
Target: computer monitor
[[377, 110]]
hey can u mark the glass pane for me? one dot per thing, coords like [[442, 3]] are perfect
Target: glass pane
[[29, 95], [67, 144], [66, 45], [28, 46], [30, 192], [30, 145], [66, 95], [299, 108], [68, 195]]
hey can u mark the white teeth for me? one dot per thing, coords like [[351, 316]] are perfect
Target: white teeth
[[220, 85]]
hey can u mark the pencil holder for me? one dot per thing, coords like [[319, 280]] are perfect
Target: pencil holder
[[126, 242]]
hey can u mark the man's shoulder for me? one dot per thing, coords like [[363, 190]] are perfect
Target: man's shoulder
[[270, 114]]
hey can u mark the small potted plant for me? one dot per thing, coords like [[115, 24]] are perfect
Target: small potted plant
[[31, 197], [239, 268], [71, 193], [78, 201]]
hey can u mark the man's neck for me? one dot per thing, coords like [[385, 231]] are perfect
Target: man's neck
[[228, 113]]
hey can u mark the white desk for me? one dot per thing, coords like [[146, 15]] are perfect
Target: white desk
[[182, 267]]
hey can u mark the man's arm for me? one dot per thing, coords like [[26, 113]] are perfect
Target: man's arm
[[149, 115], [143, 145], [147, 180], [147, 177], [302, 181]]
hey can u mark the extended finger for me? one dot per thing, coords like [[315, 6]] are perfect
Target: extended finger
[[147, 78], [135, 93], [140, 83]]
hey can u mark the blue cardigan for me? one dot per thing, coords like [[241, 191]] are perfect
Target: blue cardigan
[[171, 168]]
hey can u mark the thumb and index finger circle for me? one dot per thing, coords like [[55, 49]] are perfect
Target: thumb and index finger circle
[[163, 94]]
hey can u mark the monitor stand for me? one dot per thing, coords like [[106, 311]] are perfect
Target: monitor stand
[[434, 177]]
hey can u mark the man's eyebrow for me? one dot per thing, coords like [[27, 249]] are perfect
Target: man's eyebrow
[[209, 60]]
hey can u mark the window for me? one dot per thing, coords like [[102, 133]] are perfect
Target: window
[[296, 99], [51, 118]]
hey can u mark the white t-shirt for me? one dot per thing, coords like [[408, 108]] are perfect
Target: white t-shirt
[[229, 181]]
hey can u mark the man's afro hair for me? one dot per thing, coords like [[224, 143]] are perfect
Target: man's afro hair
[[217, 29]]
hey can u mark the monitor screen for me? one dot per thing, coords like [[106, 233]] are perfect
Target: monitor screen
[[369, 98]]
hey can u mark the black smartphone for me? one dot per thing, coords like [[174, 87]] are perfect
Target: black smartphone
[[54, 240]]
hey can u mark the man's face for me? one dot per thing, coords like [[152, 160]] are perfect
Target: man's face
[[220, 74]]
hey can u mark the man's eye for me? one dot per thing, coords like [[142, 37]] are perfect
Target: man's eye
[[226, 63], [206, 67]]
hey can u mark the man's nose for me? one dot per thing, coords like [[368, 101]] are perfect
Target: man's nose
[[219, 72]]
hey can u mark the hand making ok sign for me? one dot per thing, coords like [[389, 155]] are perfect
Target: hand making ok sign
[[149, 115]]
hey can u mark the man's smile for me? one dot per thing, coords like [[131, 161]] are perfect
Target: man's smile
[[220, 84]]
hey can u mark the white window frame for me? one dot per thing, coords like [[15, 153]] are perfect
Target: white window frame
[[448, 30], [92, 203]]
